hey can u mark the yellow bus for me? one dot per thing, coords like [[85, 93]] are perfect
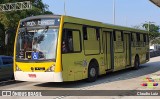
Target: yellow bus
[[57, 48]]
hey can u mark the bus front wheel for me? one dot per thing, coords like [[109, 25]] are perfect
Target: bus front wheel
[[92, 72]]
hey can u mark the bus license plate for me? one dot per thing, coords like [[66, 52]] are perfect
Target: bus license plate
[[32, 75]]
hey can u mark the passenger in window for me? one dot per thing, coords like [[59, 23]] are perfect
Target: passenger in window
[[70, 41], [64, 48]]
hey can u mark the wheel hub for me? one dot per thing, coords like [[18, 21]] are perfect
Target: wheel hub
[[92, 72]]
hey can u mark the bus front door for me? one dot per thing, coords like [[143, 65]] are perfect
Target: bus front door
[[107, 49]]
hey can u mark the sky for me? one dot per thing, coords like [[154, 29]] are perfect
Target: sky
[[128, 12]]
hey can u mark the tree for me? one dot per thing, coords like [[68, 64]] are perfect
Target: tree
[[10, 20], [2, 38], [153, 32]]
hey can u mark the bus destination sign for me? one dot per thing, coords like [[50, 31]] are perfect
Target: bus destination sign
[[41, 22]]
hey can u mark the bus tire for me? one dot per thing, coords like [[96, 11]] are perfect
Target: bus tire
[[136, 63], [92, 72]]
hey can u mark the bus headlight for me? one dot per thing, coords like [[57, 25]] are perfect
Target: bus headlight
[[17, 68], [51, 69]]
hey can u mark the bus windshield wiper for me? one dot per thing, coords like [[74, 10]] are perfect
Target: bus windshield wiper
[[41, 36], [45, 29]]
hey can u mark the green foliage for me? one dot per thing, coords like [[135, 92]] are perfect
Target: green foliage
[[9, 20], [153, 32], [152, 27]]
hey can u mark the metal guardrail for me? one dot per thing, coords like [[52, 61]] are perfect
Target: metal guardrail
[[154, 54]]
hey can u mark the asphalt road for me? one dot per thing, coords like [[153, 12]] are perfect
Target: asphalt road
[[122, 80]]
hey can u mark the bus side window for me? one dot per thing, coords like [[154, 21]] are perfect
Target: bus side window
[[118, 41], [114, 35], [141, 38], [138, 37], [118, 36], [98, 34], [147, 39], [91, 33], [144, 37], [131, 37], [85, 37], [71, 41]]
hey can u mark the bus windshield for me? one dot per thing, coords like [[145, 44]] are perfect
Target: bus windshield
[[36, 44]]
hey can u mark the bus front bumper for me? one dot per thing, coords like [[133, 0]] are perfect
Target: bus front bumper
[[38, 76]]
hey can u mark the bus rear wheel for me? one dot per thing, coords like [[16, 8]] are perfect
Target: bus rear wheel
[[136, 63], [92, 72]]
